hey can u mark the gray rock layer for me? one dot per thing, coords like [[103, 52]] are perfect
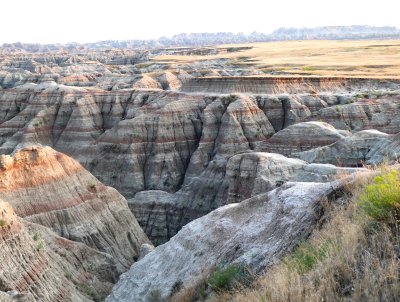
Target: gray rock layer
[[255, 233]]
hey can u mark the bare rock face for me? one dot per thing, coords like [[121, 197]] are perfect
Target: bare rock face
[[248, 174], [388, 150], [146, 82], [170, 81], [29, 271], [256, 233], [351, 151], [137, 140], [51, 189], [302, 137], [140, 140], [378, 113]]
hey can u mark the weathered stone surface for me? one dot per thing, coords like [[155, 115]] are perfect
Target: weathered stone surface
[[351, 151], [302, 137], [250, 174], [51, 189], [256, 232], [155, 140], [385, 151], [245, 175], [378, 113], [28, 267]]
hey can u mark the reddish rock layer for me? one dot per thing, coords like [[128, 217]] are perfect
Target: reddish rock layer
[[51, 189], [27, 266]]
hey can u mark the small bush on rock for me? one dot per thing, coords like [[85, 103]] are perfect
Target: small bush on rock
[[223, 279]]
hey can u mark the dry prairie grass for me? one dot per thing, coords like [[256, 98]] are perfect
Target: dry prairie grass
[[352, 258], [319, 58]]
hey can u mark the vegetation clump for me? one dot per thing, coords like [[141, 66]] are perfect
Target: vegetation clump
[[87, 291], [355, 256], [3, 223], [306, 256], [224, 278], [381, 199]]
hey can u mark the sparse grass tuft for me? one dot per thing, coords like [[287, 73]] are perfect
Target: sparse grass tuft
[[84, 288], [40, 245], [223, 279], [307, 256], [308, 68]]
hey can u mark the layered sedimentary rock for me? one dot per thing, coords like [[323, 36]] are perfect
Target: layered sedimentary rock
[[141, 140], [377, 113], [385, 151], [351, 151], [28, 267], [49, 188], [162, 214], [256, 233], [268, 85], [302, 137], [179, 143]]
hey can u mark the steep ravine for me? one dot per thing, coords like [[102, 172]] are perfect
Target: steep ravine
[[179, 143]]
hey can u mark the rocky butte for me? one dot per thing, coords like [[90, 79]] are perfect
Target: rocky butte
[[130, 179]]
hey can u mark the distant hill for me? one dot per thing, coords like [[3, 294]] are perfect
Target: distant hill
[[356, 32]]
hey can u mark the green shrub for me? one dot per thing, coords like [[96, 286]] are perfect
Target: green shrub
[[40, 246], [68, 275], [3, 223], [87, 290], [306, 256], [36, 236], [381, 199], [223, 279]]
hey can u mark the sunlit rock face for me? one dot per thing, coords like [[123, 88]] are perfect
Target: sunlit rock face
[[255, 233], [49, 188]]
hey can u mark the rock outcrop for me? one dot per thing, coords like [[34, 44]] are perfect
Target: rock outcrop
[[49, 188], [29, 270], [158, 140], [379, 113], [385, 151], [255, 233], [302, 137], [162, 214], [352, 151]]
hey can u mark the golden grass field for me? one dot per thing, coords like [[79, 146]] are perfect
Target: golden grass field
[[320, 58]]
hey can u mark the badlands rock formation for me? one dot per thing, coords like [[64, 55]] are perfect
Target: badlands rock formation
[[256, 233], [352, 151], [140, 140], [53, 190], [302, 137], [221, 167], [29, 268], [162, 214]]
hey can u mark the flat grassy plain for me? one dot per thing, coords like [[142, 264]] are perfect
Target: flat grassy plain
[[369, 58]]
